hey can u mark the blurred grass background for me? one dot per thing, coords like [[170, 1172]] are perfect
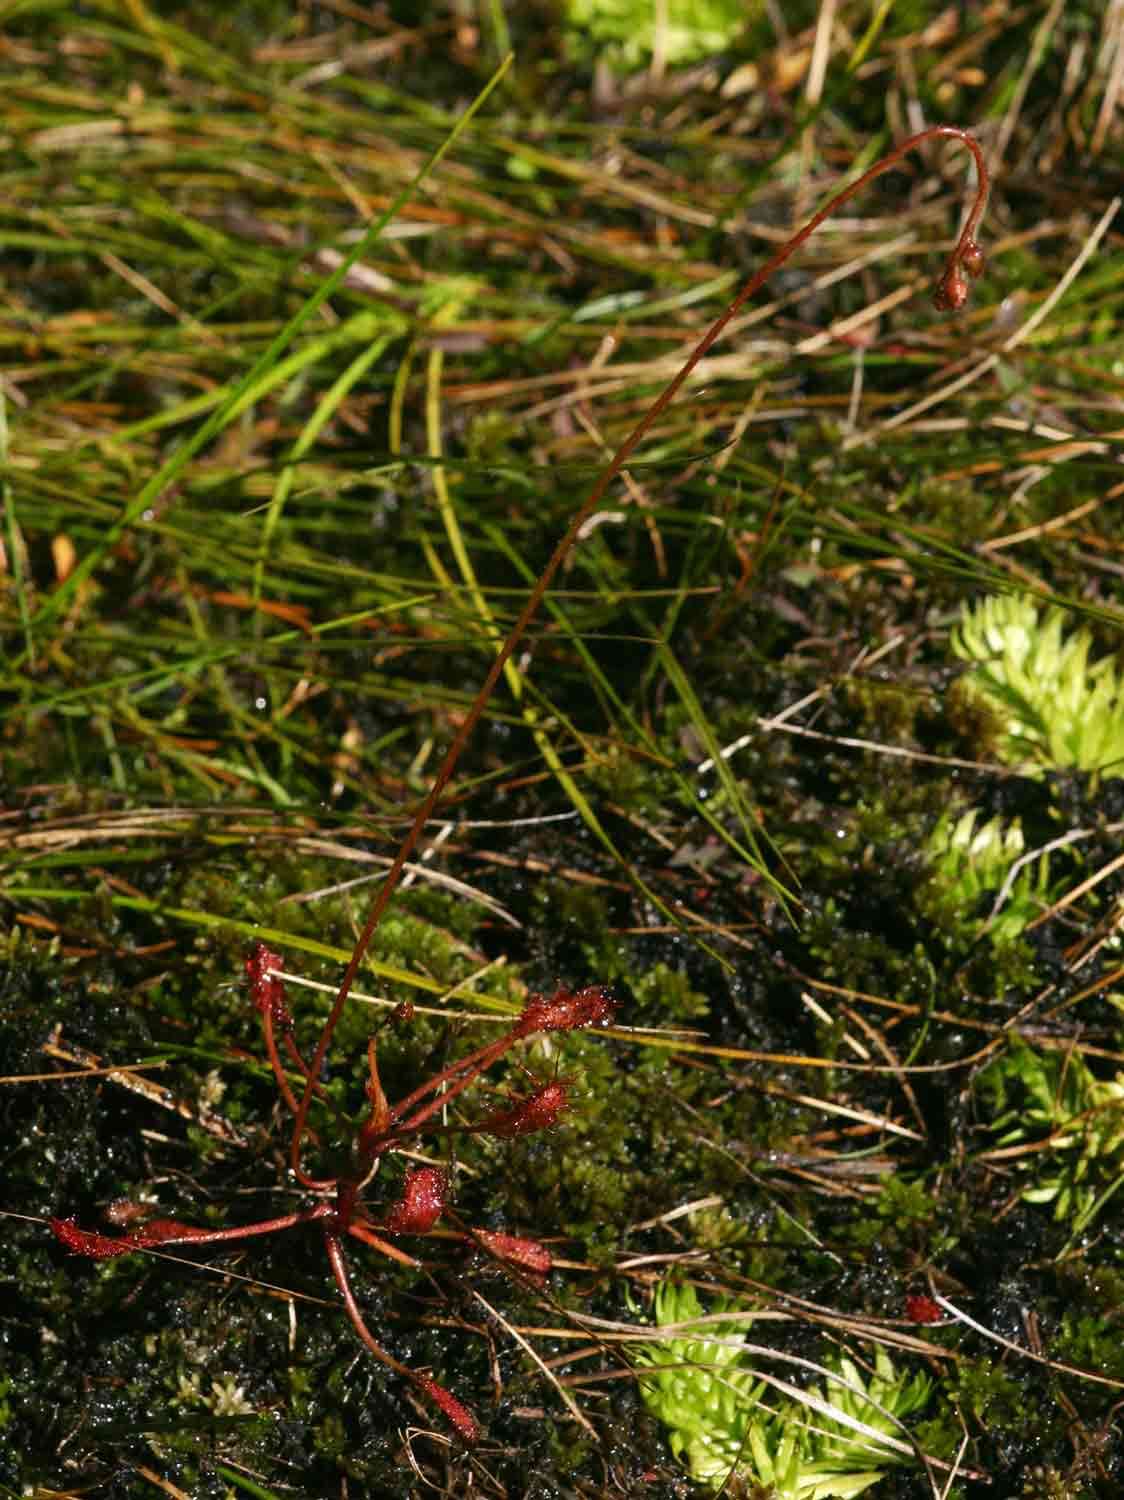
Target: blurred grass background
[[251, 572]]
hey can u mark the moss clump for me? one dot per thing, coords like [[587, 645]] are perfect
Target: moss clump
[[623, 32]]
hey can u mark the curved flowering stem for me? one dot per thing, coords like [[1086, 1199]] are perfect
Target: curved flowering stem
[[392, 1128], [965, 261]]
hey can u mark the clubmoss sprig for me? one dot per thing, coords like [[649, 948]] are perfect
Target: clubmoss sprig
[[830, 1441], [1058, 710], [970, 857], [1052, 1117]]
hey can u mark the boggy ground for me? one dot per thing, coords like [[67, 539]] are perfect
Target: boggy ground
[[711, 782]]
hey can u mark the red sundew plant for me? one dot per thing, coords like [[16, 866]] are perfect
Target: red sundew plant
[[340, 1207], [388, 1128]]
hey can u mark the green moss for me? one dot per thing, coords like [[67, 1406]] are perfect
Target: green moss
[[905, 1204], [997, 1401], [624, 31], [1090, 1343], [664, 997], [887, 710]]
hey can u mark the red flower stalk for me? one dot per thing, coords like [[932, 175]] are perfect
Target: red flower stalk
[[951, 292], [388, 1127]]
